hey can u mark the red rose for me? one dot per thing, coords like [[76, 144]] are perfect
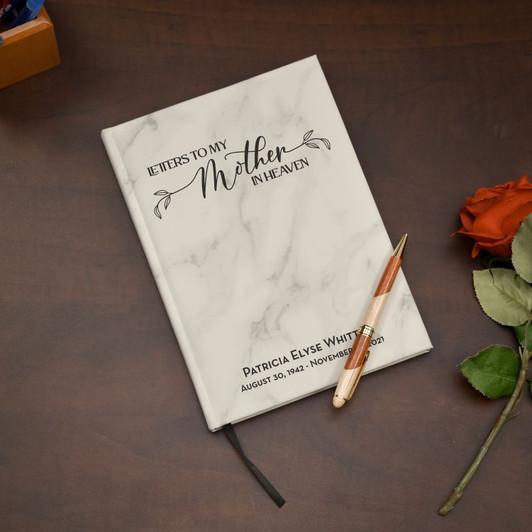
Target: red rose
[[492, 216]]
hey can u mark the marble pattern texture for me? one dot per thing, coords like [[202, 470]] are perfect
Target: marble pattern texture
[[264, 240]]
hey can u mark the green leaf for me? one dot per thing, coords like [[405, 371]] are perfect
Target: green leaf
[[493, 371], [503, 295], [520, 333], [522, 250]]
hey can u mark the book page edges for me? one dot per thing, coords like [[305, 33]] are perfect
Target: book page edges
[[160, 279]]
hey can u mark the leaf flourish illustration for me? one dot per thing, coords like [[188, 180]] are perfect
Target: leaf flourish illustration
[[166, 197], [312, 142]]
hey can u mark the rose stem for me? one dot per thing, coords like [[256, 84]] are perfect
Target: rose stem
[[505, 416]]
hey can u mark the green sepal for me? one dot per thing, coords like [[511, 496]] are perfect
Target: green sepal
[[522, 250], [503, 295], [493, 261], [493, 371], [520, 333]]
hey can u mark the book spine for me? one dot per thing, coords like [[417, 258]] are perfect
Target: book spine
[[127, 188]]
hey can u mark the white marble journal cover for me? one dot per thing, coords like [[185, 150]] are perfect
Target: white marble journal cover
[[264, 240]]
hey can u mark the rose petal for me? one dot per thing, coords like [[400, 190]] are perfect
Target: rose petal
[[502, 248], [491, 217]]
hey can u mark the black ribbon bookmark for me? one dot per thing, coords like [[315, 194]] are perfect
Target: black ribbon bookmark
[[262, 480]]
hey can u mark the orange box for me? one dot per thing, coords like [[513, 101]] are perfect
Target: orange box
[[28, 49]]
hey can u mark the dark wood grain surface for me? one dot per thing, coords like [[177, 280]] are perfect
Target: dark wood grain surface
[[100, 428]]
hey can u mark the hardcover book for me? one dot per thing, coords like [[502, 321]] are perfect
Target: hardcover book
[[263, 238]]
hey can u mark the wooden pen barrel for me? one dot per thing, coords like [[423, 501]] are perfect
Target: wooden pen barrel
[[388, 277], [358, 352], [363, 340]]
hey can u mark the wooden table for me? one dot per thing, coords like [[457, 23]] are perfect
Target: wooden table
[[100, 428]]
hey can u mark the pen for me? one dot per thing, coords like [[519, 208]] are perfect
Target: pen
[[360, 351]]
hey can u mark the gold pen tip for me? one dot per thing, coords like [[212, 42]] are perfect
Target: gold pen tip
[[338, 402], [400, 249]]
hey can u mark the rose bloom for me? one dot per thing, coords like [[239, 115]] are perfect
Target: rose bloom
[[492, 216]]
